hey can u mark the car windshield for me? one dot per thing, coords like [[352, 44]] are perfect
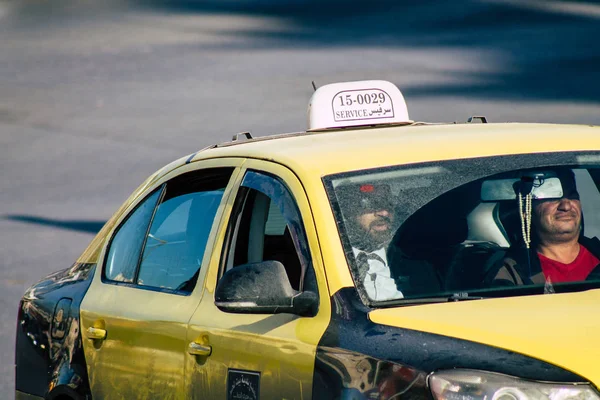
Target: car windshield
[[472, 228]]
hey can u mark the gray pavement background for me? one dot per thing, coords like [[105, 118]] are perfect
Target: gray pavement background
[[95, 96]]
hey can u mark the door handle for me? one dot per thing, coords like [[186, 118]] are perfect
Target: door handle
[[197, 349], [95, 333]]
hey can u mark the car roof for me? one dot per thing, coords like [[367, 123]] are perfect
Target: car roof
[[327, 152], [312, 155]]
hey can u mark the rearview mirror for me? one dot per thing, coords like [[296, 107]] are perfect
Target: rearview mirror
[[507, 189], [262, 288]]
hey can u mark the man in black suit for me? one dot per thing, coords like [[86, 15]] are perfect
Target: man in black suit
[[369, 218]]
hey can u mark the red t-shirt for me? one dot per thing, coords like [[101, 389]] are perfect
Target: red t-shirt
[[578, 270]]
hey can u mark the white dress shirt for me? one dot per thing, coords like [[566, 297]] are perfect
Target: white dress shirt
[[378, 282]]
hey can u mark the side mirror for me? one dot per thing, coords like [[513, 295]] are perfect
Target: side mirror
[[262, 288]]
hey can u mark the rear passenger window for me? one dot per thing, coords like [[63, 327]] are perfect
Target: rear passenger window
[[174, 243]]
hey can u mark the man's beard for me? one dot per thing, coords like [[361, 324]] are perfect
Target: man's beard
[[372, 239], [555, 230], [559, 234]]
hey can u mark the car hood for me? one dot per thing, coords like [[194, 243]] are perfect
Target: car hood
[[562, 329]]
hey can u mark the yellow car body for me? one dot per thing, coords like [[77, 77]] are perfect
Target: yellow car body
[[146, 342]]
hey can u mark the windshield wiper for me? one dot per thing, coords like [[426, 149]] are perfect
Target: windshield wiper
[[431, 300]]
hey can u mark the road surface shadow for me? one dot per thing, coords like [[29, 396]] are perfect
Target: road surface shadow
[[548, 49], [86, 226], [531, 50]]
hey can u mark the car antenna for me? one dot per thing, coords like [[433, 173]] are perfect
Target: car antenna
[[314, 86]]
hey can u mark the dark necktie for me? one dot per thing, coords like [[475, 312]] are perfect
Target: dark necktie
[[362, 260]]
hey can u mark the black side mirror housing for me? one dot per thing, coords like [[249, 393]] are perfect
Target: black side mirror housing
[[262, 288]]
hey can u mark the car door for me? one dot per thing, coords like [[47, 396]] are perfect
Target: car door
[[135, 314], [254, 356]]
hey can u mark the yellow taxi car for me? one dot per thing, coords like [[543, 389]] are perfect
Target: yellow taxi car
[[369, 257]]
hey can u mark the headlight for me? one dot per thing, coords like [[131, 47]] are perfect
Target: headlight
[[478, 385]]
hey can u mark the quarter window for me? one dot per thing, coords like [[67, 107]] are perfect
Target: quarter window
[[127, 243]]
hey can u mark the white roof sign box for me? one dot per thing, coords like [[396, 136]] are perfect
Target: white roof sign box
[[345, 104]]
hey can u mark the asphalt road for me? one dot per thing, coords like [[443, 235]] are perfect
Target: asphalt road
[[95, 96]]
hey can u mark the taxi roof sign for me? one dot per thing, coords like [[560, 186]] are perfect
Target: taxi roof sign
[[345, 104]]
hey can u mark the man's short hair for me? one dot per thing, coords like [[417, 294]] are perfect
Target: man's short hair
[[567, 181]]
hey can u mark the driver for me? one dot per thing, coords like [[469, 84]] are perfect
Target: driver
[[558, 251], [369, 220]]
